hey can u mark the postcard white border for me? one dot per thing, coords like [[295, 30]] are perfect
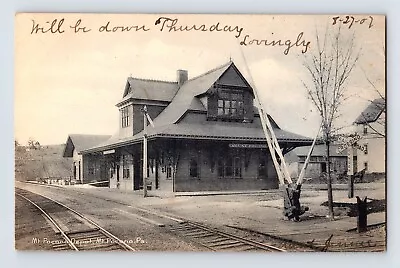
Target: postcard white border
[[11, 258]]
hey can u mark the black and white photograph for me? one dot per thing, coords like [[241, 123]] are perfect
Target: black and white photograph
[[200, 133]]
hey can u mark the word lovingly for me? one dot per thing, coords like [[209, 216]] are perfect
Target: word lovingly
[[287, 44], [350, 20], [168, 24]]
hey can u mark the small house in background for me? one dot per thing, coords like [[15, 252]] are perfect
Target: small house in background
[[371, 127], [82, 166], [317, 165]]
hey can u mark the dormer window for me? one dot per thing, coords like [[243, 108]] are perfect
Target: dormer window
[[230, 104], [125, 117]]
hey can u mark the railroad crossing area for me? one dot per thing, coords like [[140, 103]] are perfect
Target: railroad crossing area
[[260, 214]]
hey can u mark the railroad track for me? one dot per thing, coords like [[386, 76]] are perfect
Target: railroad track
[[84, 234], [246, 240], [217, 240]]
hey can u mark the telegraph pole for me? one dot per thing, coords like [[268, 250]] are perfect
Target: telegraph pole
[[144, 151]]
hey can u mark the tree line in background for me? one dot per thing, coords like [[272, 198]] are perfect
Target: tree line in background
[[31, 144]]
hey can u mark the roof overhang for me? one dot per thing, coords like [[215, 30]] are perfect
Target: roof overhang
[[118, 144]]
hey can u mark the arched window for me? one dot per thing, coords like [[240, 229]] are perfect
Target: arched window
[[193, 168]]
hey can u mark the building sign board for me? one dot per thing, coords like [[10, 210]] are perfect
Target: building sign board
[[349, 142], [109, 152], [247, 145]]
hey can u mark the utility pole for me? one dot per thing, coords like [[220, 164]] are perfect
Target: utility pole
[[272, 142], [292, 207], [144, 151]]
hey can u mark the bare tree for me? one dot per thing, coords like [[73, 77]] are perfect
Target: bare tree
[[329, 66]]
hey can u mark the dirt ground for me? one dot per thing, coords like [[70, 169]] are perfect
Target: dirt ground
[[261, 212]]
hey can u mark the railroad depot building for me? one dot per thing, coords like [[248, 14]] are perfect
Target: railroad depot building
[[207, 136], [81, 170]]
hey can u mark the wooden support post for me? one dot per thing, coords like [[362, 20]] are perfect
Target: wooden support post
[[350, 185], [144, 152], [156, 175], [362, 214], [350, 172]]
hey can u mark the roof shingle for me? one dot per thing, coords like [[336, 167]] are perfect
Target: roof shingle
[[183, 98], [186, 99], [372, 112], [147, 89], [319, 150], [207, 130]]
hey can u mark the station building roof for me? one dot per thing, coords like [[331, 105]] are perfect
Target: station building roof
[[80, 142], [187, 98]]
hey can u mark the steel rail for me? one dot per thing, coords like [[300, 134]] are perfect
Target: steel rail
[[235, 237], [104, 231], [179, 220], [213, 230], [65, 236]]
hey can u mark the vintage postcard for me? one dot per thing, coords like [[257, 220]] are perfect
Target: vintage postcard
[[164, 132]]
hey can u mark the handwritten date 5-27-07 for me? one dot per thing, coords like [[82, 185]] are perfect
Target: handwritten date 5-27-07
[[351, 20]]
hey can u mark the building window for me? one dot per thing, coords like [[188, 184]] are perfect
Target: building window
[[230, 104], [237, 168], [125, 117], [169, 172], [92, 168], [366, 166], [125, 168], [365, 129], [193, 168], [262, 167], [365, 148], [229, 167]]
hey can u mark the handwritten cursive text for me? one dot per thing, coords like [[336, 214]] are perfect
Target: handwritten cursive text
[[168, 24], [55, 26], [288, 44]]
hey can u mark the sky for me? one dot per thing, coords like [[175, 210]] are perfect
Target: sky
[[70, 82]]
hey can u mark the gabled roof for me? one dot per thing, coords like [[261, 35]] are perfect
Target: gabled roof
[[189, 90], [80, 142], [319, 150], [147, 89], [372, 112]]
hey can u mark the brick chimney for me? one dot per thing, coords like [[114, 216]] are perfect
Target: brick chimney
[[182, 77]]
